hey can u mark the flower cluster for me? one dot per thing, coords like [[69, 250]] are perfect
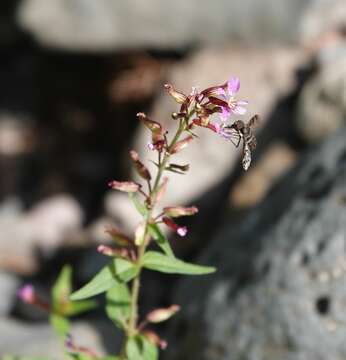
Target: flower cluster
[[212, 108]]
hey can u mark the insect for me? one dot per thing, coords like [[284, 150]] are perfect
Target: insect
[[241, 131]]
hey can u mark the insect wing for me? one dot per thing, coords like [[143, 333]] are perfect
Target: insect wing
[[231, 134], [254, 121], [246, 161]]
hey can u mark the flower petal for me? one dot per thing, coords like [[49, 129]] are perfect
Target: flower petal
[[233, 85], [225, 114], [239, 110], [221, 92]]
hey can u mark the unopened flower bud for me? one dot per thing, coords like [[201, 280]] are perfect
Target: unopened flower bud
[[182, 168], [213, 90], [126, 186], [180, 145], [140, 234], [177, 211], [179, 97], [153, 126], [119, 238], [27, 294], [180, 230], [108, 251], [160, 315], [155, 339], [140, 167]]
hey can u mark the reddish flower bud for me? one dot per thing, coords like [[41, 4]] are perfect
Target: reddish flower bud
[[108, 251], [27, 294], [180, 145], [155, 339], [214, 127], [179, 97], [119, 238], [218, 102], [177, 211], [180, 230], [213, 90], [140, 167], [126, 186], [182, 168], [153, 126], [160, 315]]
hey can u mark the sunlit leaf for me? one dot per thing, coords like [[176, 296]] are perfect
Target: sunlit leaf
[[161, 239], [62, 290], [117, 270], [60, 324], [157, 261], [118, 304]]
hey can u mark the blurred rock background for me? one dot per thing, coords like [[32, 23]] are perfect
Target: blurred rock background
[[74, 74]]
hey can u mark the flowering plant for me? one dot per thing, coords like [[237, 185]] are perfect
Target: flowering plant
[[121, 278]]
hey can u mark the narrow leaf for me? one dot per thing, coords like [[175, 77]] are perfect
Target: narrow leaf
[[138, 205], [117, 270], [150, 351], [156, 261], [60, 324], [134, 348], [118, 304], [79, 307], [161, 239], [62, 290]]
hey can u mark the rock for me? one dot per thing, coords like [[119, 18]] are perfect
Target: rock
[[16, 249], [86, 25], [321, 109], [45, 227], [279, 292], [322, 17], [8, 287], [24, 339], [50, 221], [272, 76]]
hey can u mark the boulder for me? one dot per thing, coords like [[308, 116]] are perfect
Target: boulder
[[86, 25], [280, 290], [321, 108]]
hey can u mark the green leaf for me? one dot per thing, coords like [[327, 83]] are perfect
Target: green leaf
[[60, 324], [139, 348], [150, 351], [118, 304], [138, 205], [161, 239], [156, 261], [79, 307], [117, 270], [62, 290], [134, 348]]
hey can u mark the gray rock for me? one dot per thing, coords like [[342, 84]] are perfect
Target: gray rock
[[280, 289], [23, 339], [8, 287], [321, 109], [109, 25], [322, 16]]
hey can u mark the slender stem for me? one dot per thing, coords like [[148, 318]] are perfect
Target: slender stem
[[132, 325]]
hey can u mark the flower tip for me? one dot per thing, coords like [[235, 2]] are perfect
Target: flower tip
[[26, 293], [182, 231]]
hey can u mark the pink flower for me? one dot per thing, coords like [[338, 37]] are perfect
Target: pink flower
[[227, 93], [180, 230], [27, 294]]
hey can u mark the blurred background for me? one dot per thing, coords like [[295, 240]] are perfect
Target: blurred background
[[73, 75]]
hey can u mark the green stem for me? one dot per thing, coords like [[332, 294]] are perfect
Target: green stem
[[132, 325]]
